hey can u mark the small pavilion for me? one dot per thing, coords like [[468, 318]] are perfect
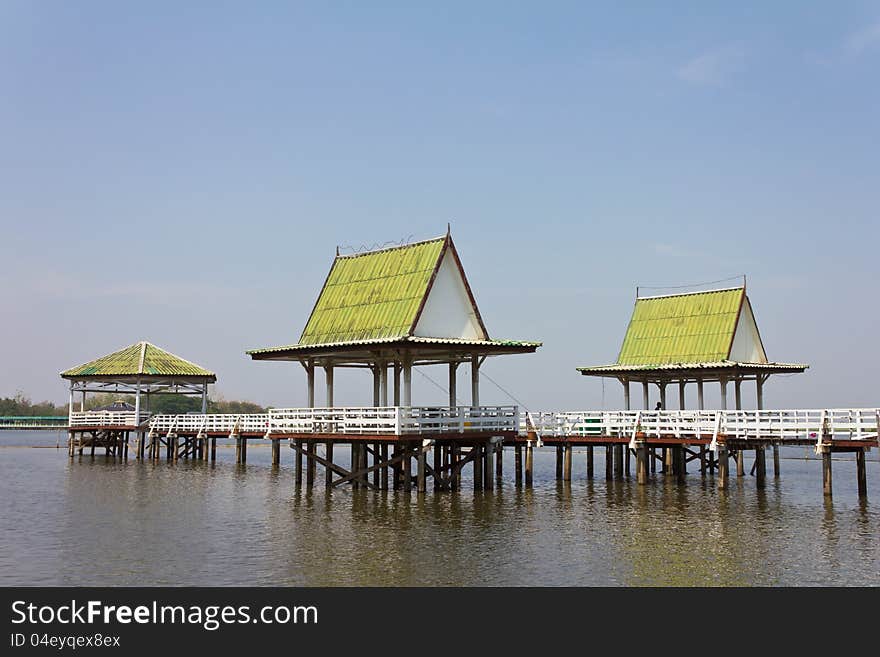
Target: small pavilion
[[142, 370], [697, 337], [387, 311]]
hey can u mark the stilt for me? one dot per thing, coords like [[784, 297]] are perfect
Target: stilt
[[518, 463], [456, 459], [566, 471], [775, 460], [740, 463], [702, 459], [478, 467], [276, 453], [244, 446], [559, 451], [438, 463], [609, 462], [529, 461], [488, 466], [310, 464], [213, 448], [860, 473], [668, 461], [618, 461], [826, 470], [377, 474], [175, 448], [499, 460], [407, 469], [589, 462], [421, 470], [70, 439], [125, 447], [653, 460], [722, 466], [642, 463], [383, 479], [328, 471], [298, 466], [626, 456], [760, 466]]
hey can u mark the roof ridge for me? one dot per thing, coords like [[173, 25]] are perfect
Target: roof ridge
[[188, 362], [390, 248], [691, 294]]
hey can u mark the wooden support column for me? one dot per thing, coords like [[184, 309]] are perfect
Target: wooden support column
[[213, 448], [668, 461], [298, 465], [626, 455], [529, 463], [499, 460], [760, 466], [478, 466], [589, 462], [681, 394], [680, 462], [566, 472], [396, 386], [456, 470], [407, 382], [702, 459], [238, 449], [438, 464], [618, 461], [641, 463], [328, 471], [355, 461], [475, 380], [861, 475], [244, 446], [722, 466], [559, 450], [609, 462], [276, 453], [453, 379], [826, 470], [310, 464], [383, 455], [421, 470], [407, 468], [740, 462], [518, 463], [377, 458], [488, 467]]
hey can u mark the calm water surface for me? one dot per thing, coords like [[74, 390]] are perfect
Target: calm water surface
[[105, 522]]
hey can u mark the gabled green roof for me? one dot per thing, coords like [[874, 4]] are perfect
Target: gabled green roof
[[140, 359], [683, 328], [375, 295]]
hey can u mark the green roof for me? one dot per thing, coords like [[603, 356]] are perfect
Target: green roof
[[375, 295], [140, 359], [683, 328]]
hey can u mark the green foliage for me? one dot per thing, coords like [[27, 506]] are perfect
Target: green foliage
[[21, 405]]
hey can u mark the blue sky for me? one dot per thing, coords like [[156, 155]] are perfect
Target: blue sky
[[182, 173]]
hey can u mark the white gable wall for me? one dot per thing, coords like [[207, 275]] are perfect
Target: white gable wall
[[448, 312], [746, 341]]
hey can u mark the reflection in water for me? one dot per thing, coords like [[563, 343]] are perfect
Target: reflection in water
[[104, 522]]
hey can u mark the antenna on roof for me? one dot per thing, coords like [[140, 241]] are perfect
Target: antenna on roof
[[337, 250], [448, 229]]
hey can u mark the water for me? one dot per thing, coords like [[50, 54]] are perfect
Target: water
[[106, 522]]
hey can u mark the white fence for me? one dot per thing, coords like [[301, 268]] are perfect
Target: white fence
[[107, 418], [210, 423], [793, 424]]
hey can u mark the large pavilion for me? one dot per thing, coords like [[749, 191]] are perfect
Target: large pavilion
[[390, 310]]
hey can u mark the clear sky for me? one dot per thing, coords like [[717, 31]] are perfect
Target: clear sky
[[182, 173]]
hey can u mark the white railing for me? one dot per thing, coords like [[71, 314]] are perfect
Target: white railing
[[211, 423], [793, 424], [394, 420], [107, 418]]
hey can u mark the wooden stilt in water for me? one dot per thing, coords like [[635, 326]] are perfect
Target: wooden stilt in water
[[826, 470], [722, 466], [641, 463], [566, 469], [439, 452], [328, 472], [626, 456], [618, 461], [517, 463], [383, 480], [298, 466], [529, 462], [653, 460], [499, 460], [456, 459], [609, 462], [668, 461], [213, 448], [377, 474], [760, 466], [478, 466], [488, 467], [559, 458], [244, 446], [125, 447], [589, 462], [276, 453], [421, 470], [310, 464], [775, 460], [860, 473], [702, 459], [740, 463], [407, 469], [679, 461]]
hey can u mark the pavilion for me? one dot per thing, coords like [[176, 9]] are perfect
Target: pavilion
[[390, 310], [142, 370]]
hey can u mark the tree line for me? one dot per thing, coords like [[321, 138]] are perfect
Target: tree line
[[20, 404]]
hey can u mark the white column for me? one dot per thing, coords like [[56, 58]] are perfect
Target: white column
[[205, 399], [310, 374], [376, 384], [737, 393], [724, 394], [137, 404], [681, 396], [397, 384], [453, 372], [759, 390], [407, 381], [645, 398], [626, 400], [383, 383], [475, 380], [328, 372], [662, 387], [700, 401], [82, 402]]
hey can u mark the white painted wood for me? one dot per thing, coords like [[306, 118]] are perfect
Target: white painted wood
[[448, 311], [746, 341]]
